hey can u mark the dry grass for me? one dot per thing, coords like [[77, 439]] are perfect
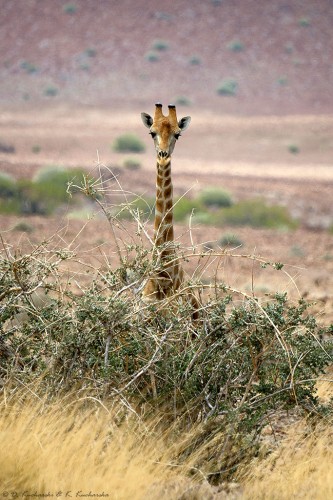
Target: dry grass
[[63, 447], [301, 466], [85, 448]]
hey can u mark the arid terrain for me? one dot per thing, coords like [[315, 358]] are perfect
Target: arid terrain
[[75, 75], [246, 156]]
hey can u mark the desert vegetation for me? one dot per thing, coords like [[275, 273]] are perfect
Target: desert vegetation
[[104, 395], [204, 392], [215, 207], [41, 195]]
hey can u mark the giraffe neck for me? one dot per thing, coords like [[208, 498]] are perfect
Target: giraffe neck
[[164, 203]]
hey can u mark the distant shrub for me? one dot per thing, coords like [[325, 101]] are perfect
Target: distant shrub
[[228, 87], [8, 187], [297, 251], [215, 198], [57, 175], [28, 67], [282, 81], [51, 91], [256, 213], [304, 21], [6, 148], [143, 206], [183, 208], [53, 181], [10, 206], [182, 101], [41, 195], [289, 48], [128, 143], [160, 45], [195, 61], [36, 149], [293, 148], [70, 8], [151, 57], [24, 227], [230, 239], [90, 52], [205, 218], [30, 201], [132, 164], [236, 46]]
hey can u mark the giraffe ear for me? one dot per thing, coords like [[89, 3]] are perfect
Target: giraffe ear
[[184, 122], [146, 120]]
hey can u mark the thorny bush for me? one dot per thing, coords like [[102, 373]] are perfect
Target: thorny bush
[[242, 359]]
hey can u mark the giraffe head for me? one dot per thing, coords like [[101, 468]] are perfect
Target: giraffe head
[[165, 130]]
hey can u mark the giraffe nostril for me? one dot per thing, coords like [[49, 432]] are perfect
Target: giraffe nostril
[[163, 154]]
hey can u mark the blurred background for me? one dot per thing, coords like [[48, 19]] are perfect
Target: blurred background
[[256, 164], [267, 57]]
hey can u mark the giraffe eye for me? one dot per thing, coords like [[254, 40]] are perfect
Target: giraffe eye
[[177, 135], [153, 134]]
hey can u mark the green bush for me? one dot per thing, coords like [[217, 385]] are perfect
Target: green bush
[[236, 46], [205, 218], [49, 187], [144, 207], [289, 48], [51, 91], [8, 186], [152, 57], [195, 61], [132, 164], [10, 206], [256, 213], [160, 45], [90, 52], [228, 87], [230, 239], [128, 143], [24, 227], [183, 208], [304, 21], [6, 148], [182, 101], [41, 195], [70, 8], [28, 67], [84, 66], [282, 81], [215, 198], [293, 149], [240, 364]]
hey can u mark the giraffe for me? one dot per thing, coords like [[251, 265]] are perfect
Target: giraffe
[[165, 130]]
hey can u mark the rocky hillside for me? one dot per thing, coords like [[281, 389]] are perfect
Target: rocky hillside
[[232, 56]]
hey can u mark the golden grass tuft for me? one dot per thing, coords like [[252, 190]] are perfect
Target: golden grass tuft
[[58, 448], [83, 449], [301, 466]]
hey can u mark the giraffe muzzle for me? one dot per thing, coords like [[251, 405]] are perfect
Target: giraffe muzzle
[[163, 154]]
